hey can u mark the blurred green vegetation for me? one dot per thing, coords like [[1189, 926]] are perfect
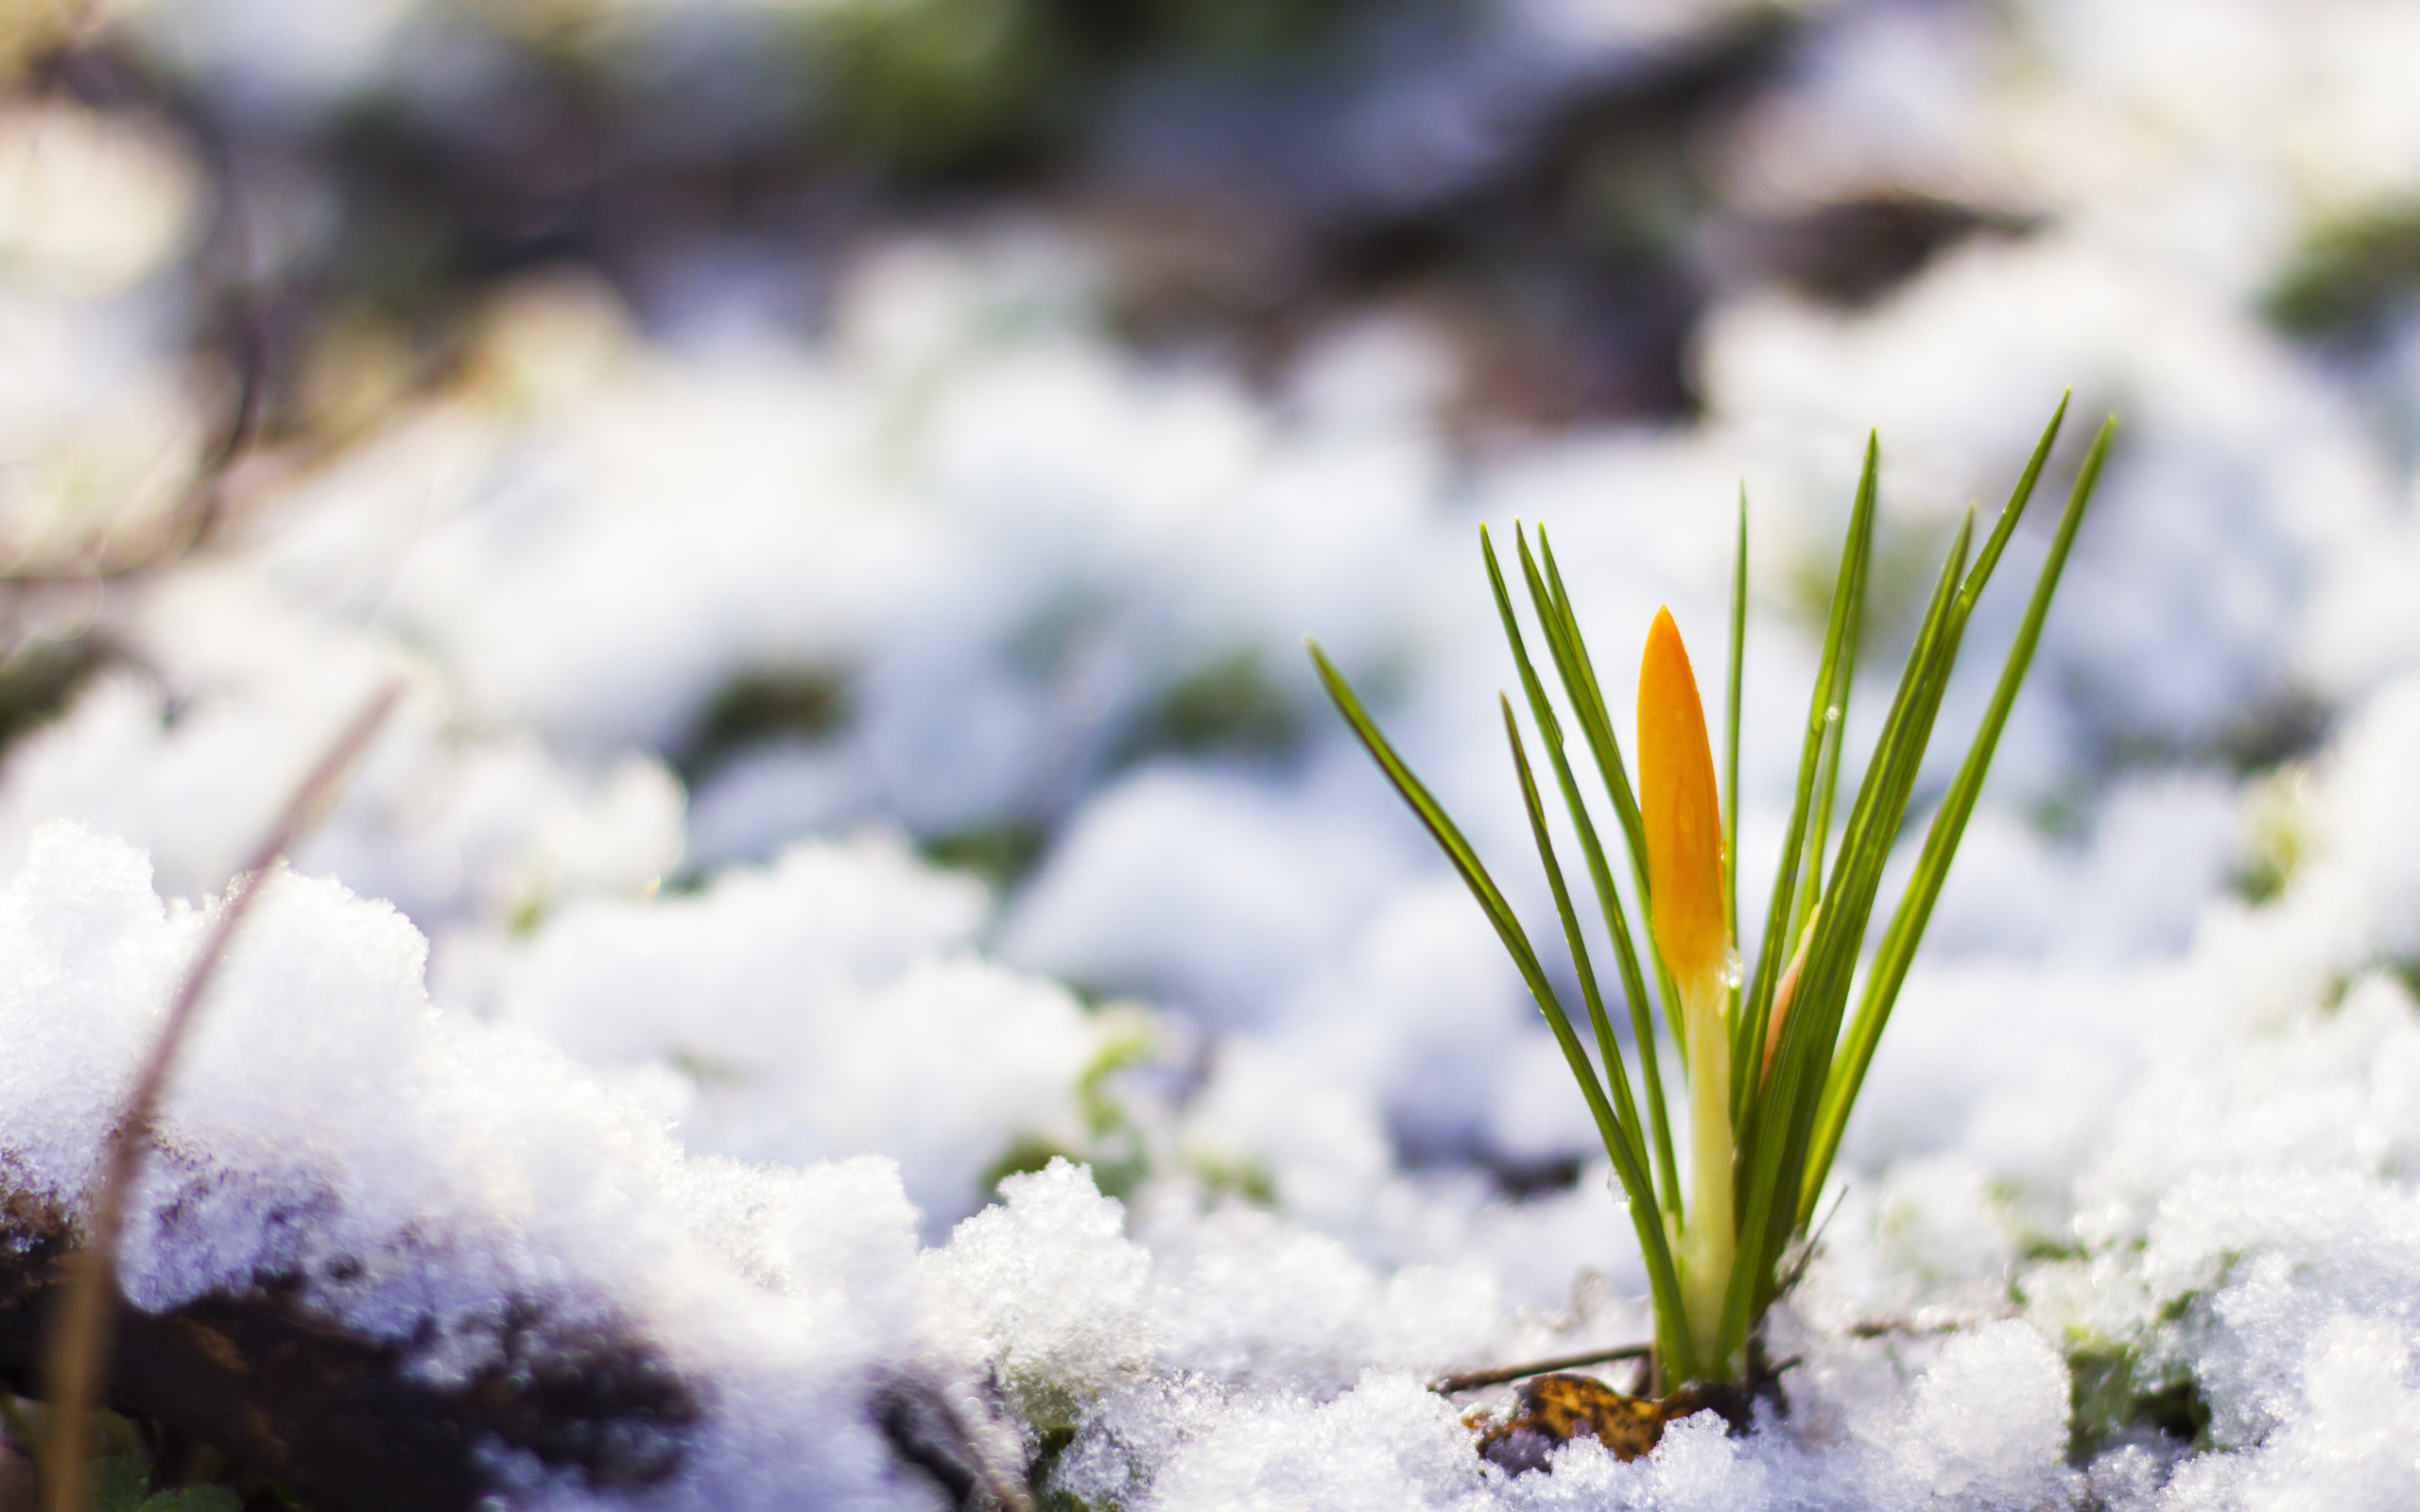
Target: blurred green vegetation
[[763, 705], [939, 87], [147, 1466], [1001, 854], [39, 676], [2112, 1391], [926, 85], [1229, 706], [2349, 274]]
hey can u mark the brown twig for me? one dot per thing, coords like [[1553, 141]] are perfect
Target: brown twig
[[82, 1327], [1917, 1328], [1473, 1380], [1796, 1267], [79, 65]]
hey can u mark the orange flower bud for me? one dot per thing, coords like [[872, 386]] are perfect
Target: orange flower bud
[[1680, 811]]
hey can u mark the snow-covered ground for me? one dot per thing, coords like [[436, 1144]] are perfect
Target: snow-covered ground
[[843, 782]]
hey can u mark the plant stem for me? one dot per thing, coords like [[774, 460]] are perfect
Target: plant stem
[[1708, 1241]]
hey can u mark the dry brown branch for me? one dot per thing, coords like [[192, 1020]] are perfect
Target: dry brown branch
[[83, 1316], [1473, 1380]]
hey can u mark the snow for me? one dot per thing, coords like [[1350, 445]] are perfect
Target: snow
[[416, 1170], [1109, 908], [1051, 1288], [1197, 1138], [821, 1007]]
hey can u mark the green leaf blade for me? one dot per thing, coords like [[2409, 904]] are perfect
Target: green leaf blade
[[1663, 1279], [1551, 737], [1774, 1152], [1570, 661], [1848, 603], [1905, 930]]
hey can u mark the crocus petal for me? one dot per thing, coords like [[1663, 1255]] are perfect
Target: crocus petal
[[1679, 809]]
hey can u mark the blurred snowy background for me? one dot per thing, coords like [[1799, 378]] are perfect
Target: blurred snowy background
[[847, 481]]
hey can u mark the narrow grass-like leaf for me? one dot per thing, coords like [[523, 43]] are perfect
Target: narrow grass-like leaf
[[1628, 1163], [1827, 780], [1588, 703], [1945, 625], [1873, 827], [1848, 603], [1784, 1116], [1551, 737], [1905, 931], [1622, 1143], [1731, 735], [1645, 1217], [2021, 496], [1569, 660]]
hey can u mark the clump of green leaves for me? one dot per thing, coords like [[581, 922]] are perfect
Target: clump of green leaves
[[1797, 1052]]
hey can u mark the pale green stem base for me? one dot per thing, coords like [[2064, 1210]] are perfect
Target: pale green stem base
[[1708, 1243]]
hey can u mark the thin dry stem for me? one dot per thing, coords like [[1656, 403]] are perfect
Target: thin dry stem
[[1473, 1380], [81, 1327], [74, 61]]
